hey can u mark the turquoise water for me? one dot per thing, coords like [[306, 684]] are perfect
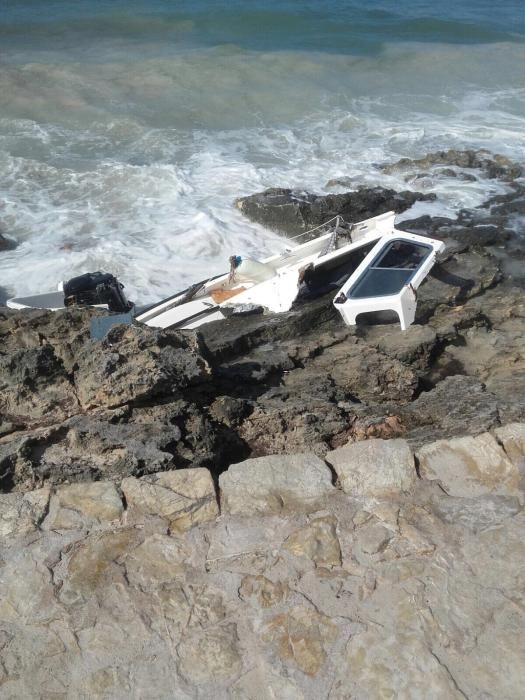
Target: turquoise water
[[128, 128]]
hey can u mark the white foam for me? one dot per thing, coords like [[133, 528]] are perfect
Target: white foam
[[90, 184]]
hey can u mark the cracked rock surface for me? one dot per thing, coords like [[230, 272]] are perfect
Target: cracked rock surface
[[142, 588]]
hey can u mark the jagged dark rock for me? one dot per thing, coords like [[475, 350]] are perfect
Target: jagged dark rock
[[6, 243], [145, 400], [293, 212], [492, 165]]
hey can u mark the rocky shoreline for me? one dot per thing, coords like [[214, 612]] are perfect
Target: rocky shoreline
[[121, 576]]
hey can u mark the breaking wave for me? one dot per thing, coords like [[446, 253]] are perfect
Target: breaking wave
[[125, 153]]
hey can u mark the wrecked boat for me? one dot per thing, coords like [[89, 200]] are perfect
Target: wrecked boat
[[371, 266]]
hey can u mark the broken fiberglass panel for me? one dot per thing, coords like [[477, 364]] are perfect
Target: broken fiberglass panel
[[390, 270]]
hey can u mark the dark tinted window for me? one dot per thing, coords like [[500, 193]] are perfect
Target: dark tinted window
[[391, 269], [402, 254]]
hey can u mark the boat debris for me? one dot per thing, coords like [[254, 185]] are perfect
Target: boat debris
[[371, 266]]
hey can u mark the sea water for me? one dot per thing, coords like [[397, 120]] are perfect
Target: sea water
[[128, 128]]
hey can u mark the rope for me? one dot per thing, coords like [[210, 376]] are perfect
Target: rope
[[332, 241], [316, 228]]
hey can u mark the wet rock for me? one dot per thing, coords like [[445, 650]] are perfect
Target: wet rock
[[294, 212], [457, 404], [274, 483], [374, 468], [414, 347], [182, 498], [64, 331], [469, 467], [83, 506], [288, 423], [492, 165], [6, 243], [367, 375], [85, 448], [476, 272]]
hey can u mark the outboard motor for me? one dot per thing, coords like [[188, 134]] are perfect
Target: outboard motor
[[96, 288]]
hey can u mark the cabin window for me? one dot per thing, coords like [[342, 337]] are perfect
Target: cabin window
[[391, 270]]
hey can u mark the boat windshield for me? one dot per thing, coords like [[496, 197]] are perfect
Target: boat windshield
[[391, 269]]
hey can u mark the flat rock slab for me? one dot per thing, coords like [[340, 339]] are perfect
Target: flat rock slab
[[469, 467], [270, 485], [183, 497], [512, 437], [83, 505], [20, 513], [374, 468]]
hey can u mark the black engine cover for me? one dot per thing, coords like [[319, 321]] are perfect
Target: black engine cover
[[96, 288]]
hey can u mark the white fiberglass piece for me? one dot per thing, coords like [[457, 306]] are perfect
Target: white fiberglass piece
[[387, 279], [272, 283]]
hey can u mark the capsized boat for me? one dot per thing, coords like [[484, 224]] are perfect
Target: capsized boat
[[370, 265]]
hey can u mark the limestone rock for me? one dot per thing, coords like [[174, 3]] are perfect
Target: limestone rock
[[476, 514], [134, 363], [512, 437], [261, 683], [374, 468], [379, 663], [274, 483], [246, 545], [183, 498], [210, 656], [83, 505], [34, 384], [317, 541], [303, 636], [158, 560], [20, 514], [92, 562], [469, 467], [373, 538], [263, 592]]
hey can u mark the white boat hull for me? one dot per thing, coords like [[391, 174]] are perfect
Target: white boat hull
[[276, 282]]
